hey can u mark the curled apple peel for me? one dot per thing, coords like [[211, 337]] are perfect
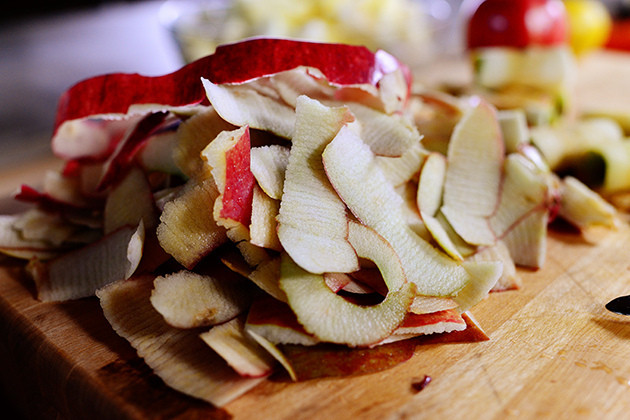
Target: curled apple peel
[[329, 214]]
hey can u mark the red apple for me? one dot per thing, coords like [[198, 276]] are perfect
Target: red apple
[[518, 24]]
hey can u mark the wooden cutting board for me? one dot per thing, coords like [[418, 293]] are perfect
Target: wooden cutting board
[[554, 350]]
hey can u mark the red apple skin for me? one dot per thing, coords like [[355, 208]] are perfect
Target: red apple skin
[[123, 157], [239, 182], [518, 24], [114, 93], [420, 320]]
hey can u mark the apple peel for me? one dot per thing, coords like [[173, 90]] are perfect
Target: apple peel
[[349, 162], [238, 349], [112, 95], [81, 272], [178, 356], [312, 219], [187, 300], [330, 317]]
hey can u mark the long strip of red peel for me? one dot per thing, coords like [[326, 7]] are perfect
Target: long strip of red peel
[[121, 160], [114, 93]]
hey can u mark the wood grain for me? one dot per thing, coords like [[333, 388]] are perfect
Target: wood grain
[[554, 352]]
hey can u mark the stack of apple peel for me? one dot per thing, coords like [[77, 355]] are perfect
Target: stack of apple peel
[[284, 193]]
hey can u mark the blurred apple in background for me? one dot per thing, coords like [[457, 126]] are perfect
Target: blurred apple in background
[[590, 24]]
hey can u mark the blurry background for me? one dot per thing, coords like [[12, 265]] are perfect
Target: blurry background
[[46, 49]]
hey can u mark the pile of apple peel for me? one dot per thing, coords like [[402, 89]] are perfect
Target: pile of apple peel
[[284, 193]]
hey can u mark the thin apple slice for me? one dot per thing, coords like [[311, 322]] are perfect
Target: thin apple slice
[[289, 85], [187, 228], [473, 177], [386, 134], [37, 224], [349, 162], [58, 191], [330, 317], [428, 304], [119, 162], [442, 237], [194, 134], [90, 139], [156, 155], [269, 164], [509, 279], [431, 184], [327, 360], [435, 113], [187, 300], [81, 272], [485, 275], [472, 334], [527, 240], [266, 276], [15, 245], [133, 188], [429, 201], [312, 219], [178, 356], [408, 192], [263, 227], [345, 282], [275, 352], [583, 207], [525, 188], [399, 170], [242, 105], [228, 156], [413, 325], [238, 349], [276, 322]]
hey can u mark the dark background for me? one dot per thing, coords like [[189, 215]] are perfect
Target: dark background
[[16, 10]]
